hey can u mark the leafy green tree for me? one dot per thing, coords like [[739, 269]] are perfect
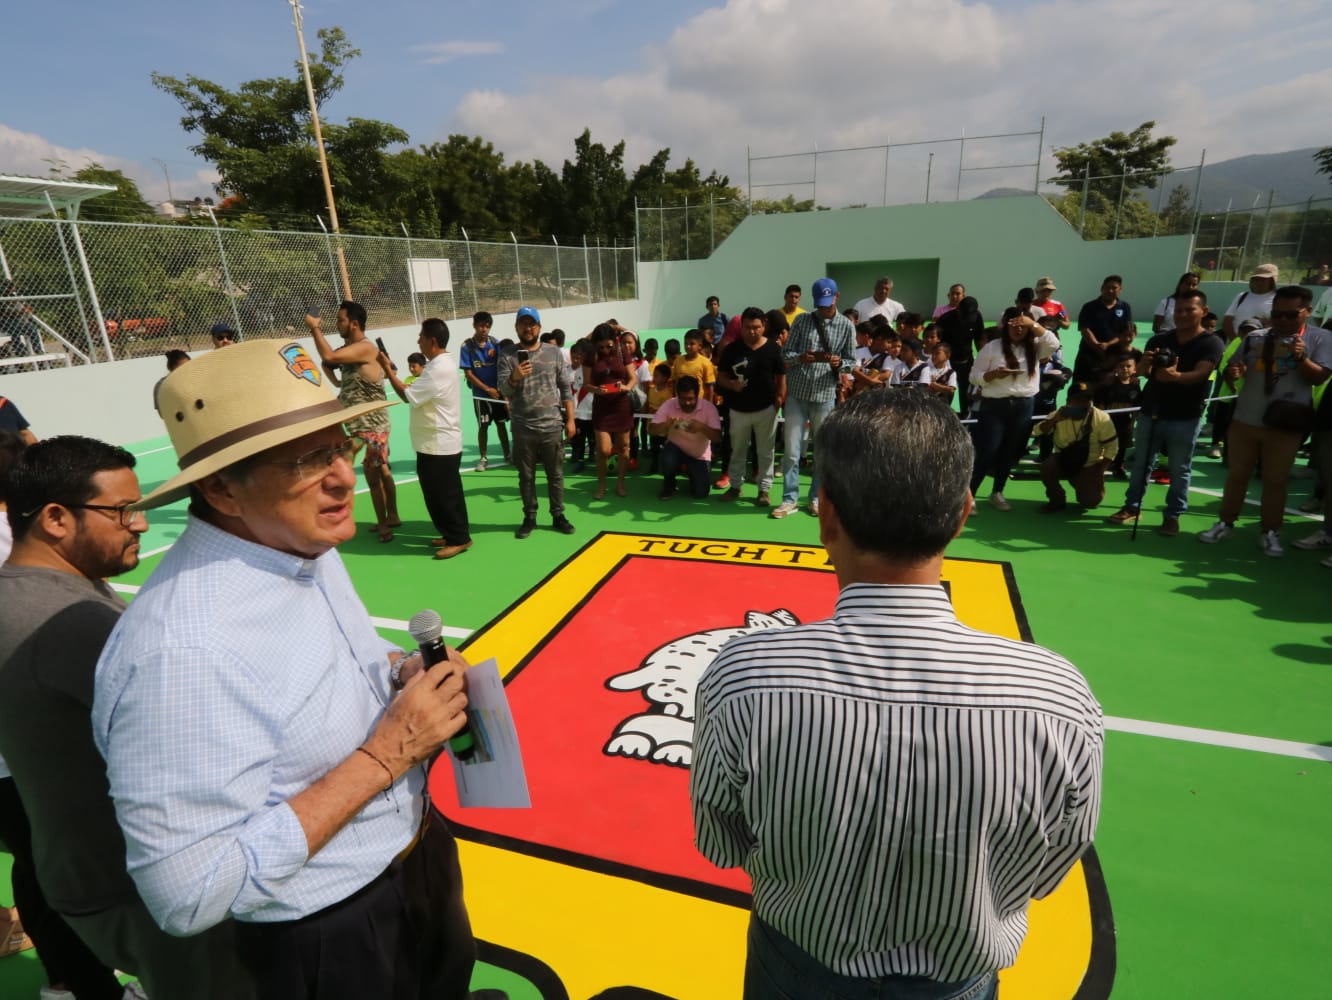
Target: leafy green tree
[[259, 138], [1324, 159], [1138, 153]]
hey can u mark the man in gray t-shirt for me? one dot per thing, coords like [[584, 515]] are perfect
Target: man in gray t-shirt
[[1280, 367], [68, 504], [535, 380]]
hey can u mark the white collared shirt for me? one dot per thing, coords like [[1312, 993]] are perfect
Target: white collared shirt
[[436, 408]]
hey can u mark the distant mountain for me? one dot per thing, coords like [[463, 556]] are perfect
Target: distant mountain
[[1291, 176]]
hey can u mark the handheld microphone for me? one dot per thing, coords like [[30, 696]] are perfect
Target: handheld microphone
[[425, 627]]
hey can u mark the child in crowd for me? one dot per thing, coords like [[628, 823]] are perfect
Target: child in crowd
[[694, 362], [913, 371], [672, 352], [930, 338], [943, 380], [416, 363], [1054, 376], [582, 443], [1123, 391], [657, 393]]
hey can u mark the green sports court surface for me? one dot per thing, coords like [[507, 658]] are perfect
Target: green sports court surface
[[1213, 665]]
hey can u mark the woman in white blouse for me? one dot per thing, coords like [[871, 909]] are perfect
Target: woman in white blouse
[[1007, 369]]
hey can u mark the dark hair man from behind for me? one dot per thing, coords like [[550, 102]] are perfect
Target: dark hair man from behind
[[898, 748], [898, 448]]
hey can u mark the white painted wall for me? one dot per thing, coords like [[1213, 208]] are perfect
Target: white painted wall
[[113, 401]]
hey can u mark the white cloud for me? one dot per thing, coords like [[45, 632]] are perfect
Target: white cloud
[[437, 53], [776, 76], [31, 155]]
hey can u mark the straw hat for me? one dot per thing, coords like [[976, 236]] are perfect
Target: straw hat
[[230, 404]]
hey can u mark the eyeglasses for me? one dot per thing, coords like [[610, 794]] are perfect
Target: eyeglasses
[[1286, 313], [315, 463], [122, 512]]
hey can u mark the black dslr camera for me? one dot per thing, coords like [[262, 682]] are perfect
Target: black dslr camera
[[1164, 358]]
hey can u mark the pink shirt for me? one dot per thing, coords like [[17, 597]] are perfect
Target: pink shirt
[[692, 443]]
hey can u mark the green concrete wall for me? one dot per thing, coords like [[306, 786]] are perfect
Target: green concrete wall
[[994, 246]]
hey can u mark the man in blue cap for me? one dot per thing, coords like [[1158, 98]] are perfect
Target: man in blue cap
[[814, 351], [535, 380], [223, 335]]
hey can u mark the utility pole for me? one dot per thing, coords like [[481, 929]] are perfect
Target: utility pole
[[163, 164], [319, 148]]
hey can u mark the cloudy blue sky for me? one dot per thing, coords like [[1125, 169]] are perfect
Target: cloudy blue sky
[[709, 80]]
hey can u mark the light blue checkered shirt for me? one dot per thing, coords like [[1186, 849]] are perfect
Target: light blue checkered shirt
[[238, 677]]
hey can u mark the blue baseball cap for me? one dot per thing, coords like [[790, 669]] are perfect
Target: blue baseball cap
[[824, 292], [527, 312]]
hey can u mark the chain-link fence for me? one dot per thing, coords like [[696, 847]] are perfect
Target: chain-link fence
[[1297, 238], [154, 287], [688, 231]]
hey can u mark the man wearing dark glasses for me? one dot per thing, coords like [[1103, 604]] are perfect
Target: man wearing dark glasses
[[69, 503]]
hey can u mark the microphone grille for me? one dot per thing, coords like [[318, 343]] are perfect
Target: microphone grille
[[425, 626]]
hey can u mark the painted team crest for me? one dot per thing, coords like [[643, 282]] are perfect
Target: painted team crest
[[598, 889], [300, 364], [668, 678]]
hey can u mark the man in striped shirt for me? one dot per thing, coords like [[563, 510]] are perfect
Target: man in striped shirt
[[897, 785]]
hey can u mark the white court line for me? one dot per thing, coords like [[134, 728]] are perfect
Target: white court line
[[1216, 738], [153, 451], [1290, 511]]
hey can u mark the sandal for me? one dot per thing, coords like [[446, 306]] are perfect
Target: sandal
[[385, 534], [15, 940]]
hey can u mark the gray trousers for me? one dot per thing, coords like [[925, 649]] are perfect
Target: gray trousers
[[548, 449]]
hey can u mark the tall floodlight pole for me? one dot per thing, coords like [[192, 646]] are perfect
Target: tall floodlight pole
[[319, 147]]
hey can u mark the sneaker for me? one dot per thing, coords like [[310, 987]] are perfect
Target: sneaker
[[526, 528], [1169, 527], [997, 501], [562, 525], [1218, 532], [134, 991], [814, 508], [1123, 515], [724, 483], [784, 509], [1270, 542], [732, 494], [481, 466], [763, 499], [1214, 453], [1320, 539]]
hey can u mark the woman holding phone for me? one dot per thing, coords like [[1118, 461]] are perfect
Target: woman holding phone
[[1007, 370], [609, 381]]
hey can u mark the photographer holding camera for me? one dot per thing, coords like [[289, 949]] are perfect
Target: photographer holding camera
[[1177, 365]]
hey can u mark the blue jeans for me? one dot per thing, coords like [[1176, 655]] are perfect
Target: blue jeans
[[1176, 438], [796, 412], [777, 969], [1003, 428], [672, 461]]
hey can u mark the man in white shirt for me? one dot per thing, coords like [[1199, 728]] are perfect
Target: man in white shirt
[[436, 428], [879, 304], [1257, 301]]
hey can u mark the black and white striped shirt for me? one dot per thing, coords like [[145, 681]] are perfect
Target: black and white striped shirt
[[897, 785]]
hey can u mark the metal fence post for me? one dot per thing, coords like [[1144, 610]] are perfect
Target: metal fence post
[[587, 269], [559, 280], [712, 222], [1248, 231], [887, 151], [73, 284], [411, 281], [961, 155], [1119, 206], [1082, 208], [328, 245], [1267, 222], [1304, 224], [749, 177], [686, 218], [471, 271], [1197, 192], [615, 261], [226, 271], [1225, 230], [601, 278], [87, 275], [1040, 148], [518, 264], [661, 227]]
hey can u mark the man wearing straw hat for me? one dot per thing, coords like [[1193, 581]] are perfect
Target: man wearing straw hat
[[264, 745]]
